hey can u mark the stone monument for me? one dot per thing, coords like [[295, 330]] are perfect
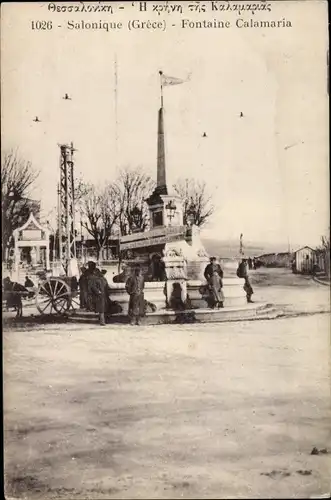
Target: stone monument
[[178, 246]]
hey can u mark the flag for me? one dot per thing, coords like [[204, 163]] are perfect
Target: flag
[[170, 80], [241, 245]]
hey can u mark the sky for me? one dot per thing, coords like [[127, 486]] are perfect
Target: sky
[[267, 171]]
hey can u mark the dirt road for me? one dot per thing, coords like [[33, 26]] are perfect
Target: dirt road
[[218, 411]]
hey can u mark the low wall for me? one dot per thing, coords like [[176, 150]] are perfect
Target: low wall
[[234, 294], [155, 293]]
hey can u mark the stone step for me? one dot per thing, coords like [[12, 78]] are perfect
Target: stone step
[[247, 312]]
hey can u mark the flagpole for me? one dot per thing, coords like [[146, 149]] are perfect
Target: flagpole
[[161, 73], [241, 249]]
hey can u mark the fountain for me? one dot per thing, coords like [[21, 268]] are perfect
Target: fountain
[[177, 246]]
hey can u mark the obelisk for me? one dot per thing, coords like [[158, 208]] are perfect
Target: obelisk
[[161, 181], [161, 163]]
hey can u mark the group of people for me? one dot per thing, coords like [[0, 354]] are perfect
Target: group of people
[[94, 293], [254, 263], [214, 277]]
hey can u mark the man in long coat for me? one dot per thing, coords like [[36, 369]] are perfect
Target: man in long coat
[[88, 296], [214, 275], [135, 288], [98, 293]]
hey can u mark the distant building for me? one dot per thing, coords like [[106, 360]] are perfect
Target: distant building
[[87, 249], [281, 259], [305, 259]]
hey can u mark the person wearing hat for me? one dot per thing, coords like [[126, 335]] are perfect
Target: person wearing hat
[[214, 275]]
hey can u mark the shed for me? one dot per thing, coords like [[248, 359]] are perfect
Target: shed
[[305, 258]]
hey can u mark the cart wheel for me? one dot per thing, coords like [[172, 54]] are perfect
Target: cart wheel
[[53, 297]]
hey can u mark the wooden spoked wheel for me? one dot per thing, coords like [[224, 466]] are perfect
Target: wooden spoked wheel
[[53, 297]]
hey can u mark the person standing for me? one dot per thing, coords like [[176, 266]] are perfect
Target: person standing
[[97, 292], [214, 276], [135, 288], [89, 297], [107, 290], [243, 273]]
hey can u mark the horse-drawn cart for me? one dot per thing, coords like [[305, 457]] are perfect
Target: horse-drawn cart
[[53, 296], [57, 295]]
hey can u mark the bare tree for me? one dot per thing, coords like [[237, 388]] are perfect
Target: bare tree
[[80, 191], [17, 177], [196, 200], [325, 243], [101, 213], [132, 188], [324, 251]]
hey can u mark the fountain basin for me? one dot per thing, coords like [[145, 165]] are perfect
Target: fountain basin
[[155, 293]]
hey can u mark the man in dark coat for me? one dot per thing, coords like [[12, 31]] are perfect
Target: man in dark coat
[[243, 273], [135, 288], [89, 297], [214, 275], [98, 291]]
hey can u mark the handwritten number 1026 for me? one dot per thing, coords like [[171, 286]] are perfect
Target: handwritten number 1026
[[41, 25]]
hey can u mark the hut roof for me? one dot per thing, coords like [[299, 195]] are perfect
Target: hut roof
[[303, 248]]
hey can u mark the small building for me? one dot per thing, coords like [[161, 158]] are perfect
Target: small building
[[305, 259], [31, 247]]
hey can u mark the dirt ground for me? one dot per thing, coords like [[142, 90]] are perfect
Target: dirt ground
[[229, 410]]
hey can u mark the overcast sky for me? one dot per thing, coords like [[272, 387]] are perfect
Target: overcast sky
[[276, 78]]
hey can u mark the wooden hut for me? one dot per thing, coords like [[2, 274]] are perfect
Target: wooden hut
[[305, 259]]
